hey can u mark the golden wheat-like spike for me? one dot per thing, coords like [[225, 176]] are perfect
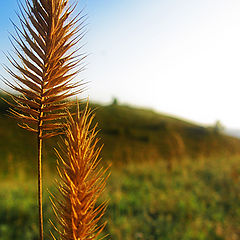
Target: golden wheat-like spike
[[45, 46], [82, 181]]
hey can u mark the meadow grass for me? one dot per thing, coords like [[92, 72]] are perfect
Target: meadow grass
[[197, 200]]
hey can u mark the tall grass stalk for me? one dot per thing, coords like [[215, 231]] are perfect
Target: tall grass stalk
[[45, 45]]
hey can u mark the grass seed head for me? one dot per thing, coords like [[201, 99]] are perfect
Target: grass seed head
[[83, 180]]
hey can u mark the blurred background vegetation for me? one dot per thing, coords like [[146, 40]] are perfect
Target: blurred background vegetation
[[171, 179]]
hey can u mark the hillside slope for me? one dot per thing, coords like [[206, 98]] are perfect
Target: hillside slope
[[142, 134], [129, 134]]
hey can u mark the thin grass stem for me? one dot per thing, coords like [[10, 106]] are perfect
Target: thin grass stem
[[40, 210]]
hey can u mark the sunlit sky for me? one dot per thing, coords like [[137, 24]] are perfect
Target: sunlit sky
[[176, 57]]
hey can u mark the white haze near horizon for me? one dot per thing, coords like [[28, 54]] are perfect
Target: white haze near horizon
[[177, 57]]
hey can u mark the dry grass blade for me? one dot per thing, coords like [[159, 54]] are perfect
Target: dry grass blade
[[82, 181]]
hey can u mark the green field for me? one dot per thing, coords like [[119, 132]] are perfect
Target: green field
[[196, 201]]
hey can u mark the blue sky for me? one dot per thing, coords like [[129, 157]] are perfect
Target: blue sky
[[178, 57]]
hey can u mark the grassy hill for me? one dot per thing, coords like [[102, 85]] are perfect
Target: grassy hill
[[129, 134]]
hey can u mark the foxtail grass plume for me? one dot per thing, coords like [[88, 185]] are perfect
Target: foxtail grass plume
[[45, 46], [82, 180]]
